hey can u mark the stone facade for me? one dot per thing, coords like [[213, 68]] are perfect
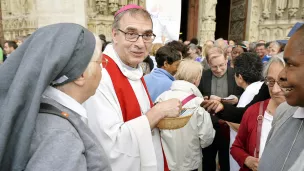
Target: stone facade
[[249, 19], [272, 19]]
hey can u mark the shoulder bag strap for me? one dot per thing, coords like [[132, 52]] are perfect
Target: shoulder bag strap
[[187, 99], [259, 129]]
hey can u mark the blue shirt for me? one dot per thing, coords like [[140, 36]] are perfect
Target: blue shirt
[[158, 82], [266, 59]]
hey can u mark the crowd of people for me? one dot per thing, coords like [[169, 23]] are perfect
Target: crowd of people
[[70, 100]]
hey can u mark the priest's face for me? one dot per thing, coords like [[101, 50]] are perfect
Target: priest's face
[[292, 76], [218, 65], [132, 49]]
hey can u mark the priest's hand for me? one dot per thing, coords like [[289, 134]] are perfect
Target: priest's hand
[[252, 163], [169, 108]]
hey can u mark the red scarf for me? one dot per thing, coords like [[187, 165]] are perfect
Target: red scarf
[[126, 96]]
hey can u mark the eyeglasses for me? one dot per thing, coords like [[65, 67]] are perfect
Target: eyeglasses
[[133, 37], [219, 66], [271, 82], [104, 62]]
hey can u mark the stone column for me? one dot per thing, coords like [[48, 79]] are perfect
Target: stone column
[[253, 20], [57, 11], [208, 21]]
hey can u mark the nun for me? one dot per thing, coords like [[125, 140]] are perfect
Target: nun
[[43, 84]]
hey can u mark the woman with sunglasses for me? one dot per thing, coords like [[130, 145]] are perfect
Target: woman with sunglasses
[[256, 123]]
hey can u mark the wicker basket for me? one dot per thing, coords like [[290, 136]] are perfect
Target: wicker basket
[[173, 123]]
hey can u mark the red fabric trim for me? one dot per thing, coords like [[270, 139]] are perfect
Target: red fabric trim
[[126, 96]]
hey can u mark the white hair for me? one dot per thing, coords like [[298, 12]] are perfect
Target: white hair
[[189, 70], [274, 59]]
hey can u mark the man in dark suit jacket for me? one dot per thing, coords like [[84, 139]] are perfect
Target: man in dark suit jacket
[[218, 82]]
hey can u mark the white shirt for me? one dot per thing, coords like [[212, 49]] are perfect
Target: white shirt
[[299, 113], [266, 127], [66, 100], [129, 145], [249, 93], [183, 146]]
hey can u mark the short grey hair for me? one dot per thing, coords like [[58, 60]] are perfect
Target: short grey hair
[[274, 59], [275, 43], [132, 12], [220, 43]]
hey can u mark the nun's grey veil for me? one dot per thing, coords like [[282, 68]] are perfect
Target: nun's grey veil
[[59, 52]]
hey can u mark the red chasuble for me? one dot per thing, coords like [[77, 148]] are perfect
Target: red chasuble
[[125, 94]]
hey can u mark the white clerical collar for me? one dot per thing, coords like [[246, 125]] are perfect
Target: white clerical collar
[[299, 114], [65, 100], [131, 73]]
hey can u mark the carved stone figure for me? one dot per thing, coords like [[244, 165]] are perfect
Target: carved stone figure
[[279, 33], [280, 7], [102, 7], [293, 7], [208, 30], [266, 9], [264, 34], [113, 6], [209, 9], [123, 3]]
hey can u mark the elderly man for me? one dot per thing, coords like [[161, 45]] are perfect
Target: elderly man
[[121, 113], [217, 83], [43, 124], [284, 148]]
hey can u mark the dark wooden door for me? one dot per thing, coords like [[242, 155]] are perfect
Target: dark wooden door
[[238, 16], [192, 27]]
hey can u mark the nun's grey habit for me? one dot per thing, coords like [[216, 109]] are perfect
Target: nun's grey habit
[[27, 137]]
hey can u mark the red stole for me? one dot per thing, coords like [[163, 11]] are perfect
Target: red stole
[[125, 94]]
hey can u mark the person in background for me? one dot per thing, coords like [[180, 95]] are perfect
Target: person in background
[[228, 52], [194, 41], [274, 48], [236, 51], [221, 43], [256, 124], [182, 146], [246, 43], [20, 40], [262, 41], [248, 74], [160, 80], [231, 43], [252, 47], [153, 51], [48, 130], [209, 43], [193, 53], [103, 39], [199, 50], [147, 65], [261, 50], [9, 47], [180, 47], [1, 55]]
